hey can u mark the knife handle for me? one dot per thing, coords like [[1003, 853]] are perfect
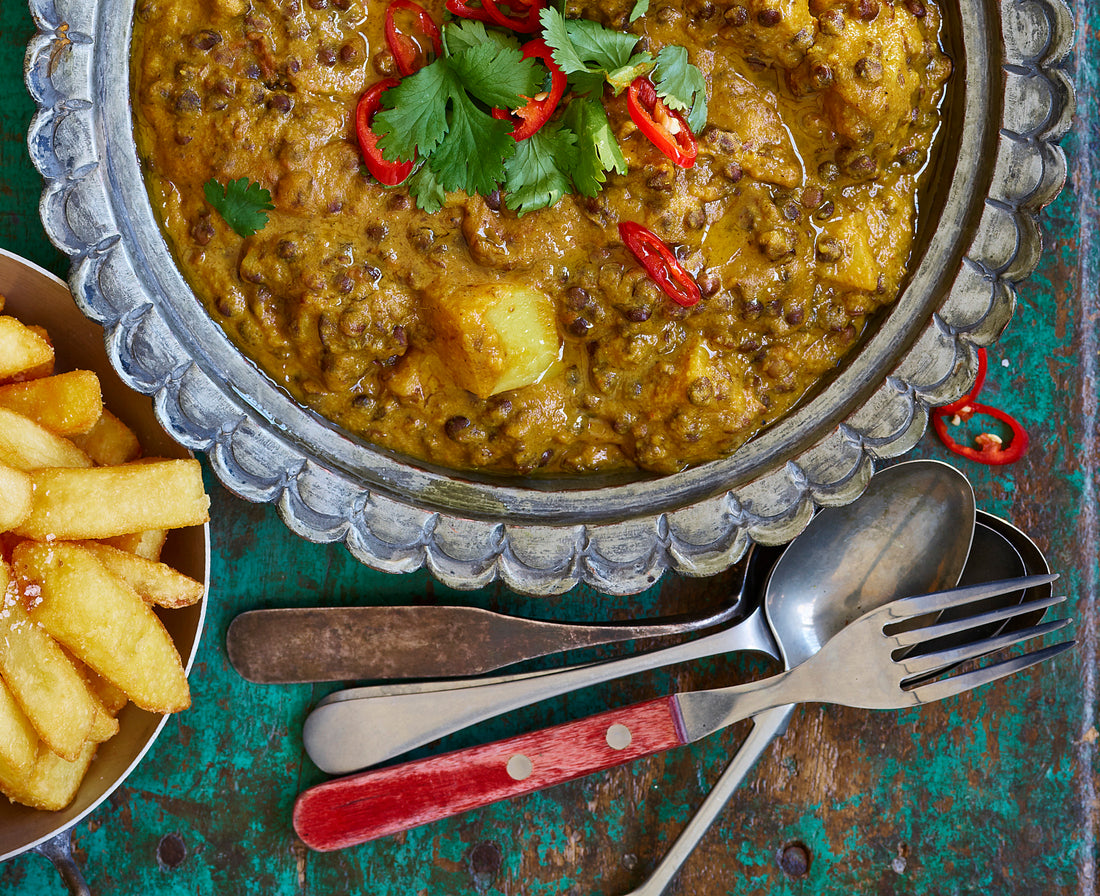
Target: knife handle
[[351, 810]]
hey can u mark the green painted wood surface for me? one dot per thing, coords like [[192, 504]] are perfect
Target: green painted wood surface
[[992, 793]]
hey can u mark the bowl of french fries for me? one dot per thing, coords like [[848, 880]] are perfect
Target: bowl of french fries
[[104, 564]]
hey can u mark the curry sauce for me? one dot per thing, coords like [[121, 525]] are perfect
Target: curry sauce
[[476, 338]]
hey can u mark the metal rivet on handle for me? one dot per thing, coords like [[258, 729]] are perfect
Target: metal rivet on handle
[[619, 737], [520, 767]]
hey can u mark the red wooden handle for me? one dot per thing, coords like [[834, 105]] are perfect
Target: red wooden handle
[[362, 807]]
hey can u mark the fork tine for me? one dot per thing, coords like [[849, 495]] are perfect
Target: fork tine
[[949, 687], [922, 604], [929, 662], [955, 626]]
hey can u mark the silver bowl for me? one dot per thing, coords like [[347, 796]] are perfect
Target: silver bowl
[[38, 297], [998, 165]]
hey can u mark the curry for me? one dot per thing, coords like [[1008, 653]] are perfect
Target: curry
[[656, 321]]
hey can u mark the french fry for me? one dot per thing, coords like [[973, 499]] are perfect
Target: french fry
[[15, 497], [18, 739], [102, 502], [102, 621], [67, 403], [111, 696], [155, 582], [52, 782], [78, 637], [42, 679], [147, 544], [109, 442], [22, 349], [27, 445], [104, 723]]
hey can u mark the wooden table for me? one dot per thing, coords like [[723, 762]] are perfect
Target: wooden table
[[990, 793]]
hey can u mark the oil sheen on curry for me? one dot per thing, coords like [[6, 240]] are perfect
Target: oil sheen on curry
[[501, 237]]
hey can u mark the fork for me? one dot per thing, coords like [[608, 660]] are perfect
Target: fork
[[875, 662]]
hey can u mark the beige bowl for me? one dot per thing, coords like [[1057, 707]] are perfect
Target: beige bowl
[[37, 297]]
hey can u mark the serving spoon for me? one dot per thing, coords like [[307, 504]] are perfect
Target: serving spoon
[[913, 524], [993, 556]]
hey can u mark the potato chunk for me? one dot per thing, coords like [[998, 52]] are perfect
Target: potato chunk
[[496, 337]]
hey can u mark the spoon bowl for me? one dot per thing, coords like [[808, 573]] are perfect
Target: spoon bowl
[[916, 524]]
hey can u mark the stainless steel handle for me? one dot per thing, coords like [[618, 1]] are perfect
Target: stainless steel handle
[[766, 727]]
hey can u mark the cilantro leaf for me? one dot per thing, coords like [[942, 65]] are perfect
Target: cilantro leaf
[[602, 46], [598, 151], [587, 51], [441, 114], [242, 204], [414, 113], [464, 34], [426, 189], [498, 76], [639, 10], [681, 85], [472, 156], [536, 174]]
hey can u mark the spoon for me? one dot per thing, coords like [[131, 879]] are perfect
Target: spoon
[[304, 644], [912, 525], [993, 557], [909, 533]]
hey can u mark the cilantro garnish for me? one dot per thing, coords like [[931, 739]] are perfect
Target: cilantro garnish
[[463, 34], [537, 173], [681, 85], [241, 203], [598, 152], [590, 53], [443, 114], [639, 10], [426, 189]]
